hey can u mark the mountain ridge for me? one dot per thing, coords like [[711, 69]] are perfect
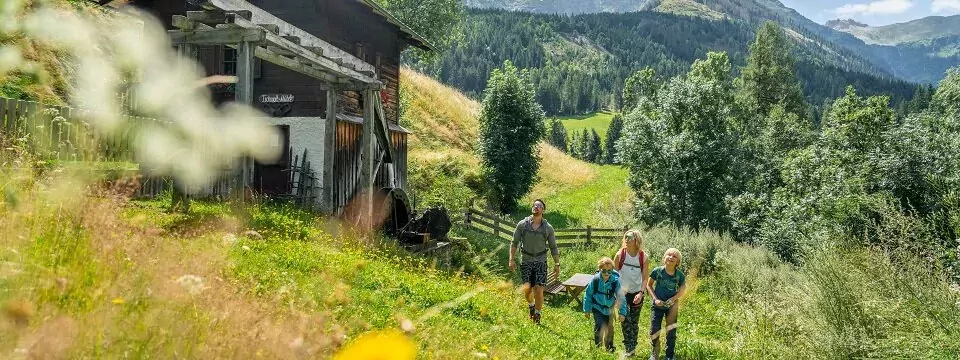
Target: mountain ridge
[[914, 62], [918, 30]]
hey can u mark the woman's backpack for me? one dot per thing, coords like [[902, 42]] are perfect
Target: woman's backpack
[[623, 256]]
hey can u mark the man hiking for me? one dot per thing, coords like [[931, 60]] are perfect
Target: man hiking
[[534, 236]]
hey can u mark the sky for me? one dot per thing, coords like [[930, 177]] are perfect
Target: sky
[[873, 12]]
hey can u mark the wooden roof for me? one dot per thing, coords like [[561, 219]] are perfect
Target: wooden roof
[[229, 22], [410, 35]]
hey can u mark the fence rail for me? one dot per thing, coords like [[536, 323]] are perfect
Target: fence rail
[[503, 228]]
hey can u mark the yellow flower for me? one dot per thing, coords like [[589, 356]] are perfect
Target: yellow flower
[[118, 301], [380, 345]]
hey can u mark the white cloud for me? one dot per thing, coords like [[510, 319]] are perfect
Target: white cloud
[[942, 6], [879, 7]]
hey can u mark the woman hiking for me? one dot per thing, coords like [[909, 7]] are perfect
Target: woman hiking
[[633, 267]]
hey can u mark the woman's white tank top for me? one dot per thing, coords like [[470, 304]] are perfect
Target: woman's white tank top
[[631, 274]]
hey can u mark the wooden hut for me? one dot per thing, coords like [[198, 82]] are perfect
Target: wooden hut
[[327, 74]]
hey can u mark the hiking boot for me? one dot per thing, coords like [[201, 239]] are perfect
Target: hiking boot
[[533, 310], [536, 318]]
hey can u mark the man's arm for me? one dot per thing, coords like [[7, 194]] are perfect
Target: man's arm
[[513, 246], [552, 241]]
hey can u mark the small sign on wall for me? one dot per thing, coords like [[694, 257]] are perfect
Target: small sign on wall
[[276, 105], [276, 98]]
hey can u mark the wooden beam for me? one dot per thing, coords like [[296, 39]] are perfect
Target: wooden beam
[[244, 14], [209, 17], [280, 51], [293, 39], [260, 16], [217, 36], [382, 129], [293, 64], [181, 22], [300, 51], [270, 27]]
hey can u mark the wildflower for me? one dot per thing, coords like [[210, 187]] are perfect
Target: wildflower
[[191, 283], [297, 343], [407, 326], [118, 301], [229, 239], [381, 345]]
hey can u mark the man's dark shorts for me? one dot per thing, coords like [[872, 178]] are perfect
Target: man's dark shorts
[[534, 273]]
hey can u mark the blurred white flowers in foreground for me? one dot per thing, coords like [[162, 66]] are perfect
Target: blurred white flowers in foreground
[[111, 53]]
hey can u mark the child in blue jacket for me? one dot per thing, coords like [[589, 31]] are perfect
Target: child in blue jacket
[[603, 294]]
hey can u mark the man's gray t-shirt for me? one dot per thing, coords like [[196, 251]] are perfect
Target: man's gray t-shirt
[[534, 244]]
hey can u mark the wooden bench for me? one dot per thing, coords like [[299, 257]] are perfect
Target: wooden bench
[[554, 287]]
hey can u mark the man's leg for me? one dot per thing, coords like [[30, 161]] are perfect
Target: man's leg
[[656, 319], [672, 330], [540, 270], [528, 278]]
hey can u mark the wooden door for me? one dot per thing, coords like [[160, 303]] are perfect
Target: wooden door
[[272, 179]]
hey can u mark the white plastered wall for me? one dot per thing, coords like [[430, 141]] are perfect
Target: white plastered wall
[[307, 133]]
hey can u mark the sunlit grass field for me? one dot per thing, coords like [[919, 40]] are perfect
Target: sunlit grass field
[[597, 121]]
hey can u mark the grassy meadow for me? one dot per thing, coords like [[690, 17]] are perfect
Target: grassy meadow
[[87, 273], [597, 121]]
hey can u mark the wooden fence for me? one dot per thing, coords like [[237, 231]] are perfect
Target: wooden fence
[[503, 228], [64, 135]]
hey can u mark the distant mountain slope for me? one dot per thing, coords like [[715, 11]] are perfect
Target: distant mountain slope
[[919, 30], [579, 63], [561, 6], [915, 62]]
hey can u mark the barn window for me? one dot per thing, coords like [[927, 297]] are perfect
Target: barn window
[[230, 63]]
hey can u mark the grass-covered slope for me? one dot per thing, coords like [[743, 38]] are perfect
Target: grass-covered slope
[[85, 273], [597, 121]]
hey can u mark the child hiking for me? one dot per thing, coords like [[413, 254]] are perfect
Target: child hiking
[[633, 267], [602, 295], [534, 237], [665, 285]]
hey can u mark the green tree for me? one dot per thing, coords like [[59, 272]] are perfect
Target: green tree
[[680, 153], [438, 21], [642, 84], [511, 127], [614, 132], [770, 78], [558, 135], [947, 97], [595, 148]]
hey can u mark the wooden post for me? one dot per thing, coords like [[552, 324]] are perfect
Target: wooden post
[[329, 141], [367, 142], [466, 213], [244, 95], [179, 198], [589, 230]]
